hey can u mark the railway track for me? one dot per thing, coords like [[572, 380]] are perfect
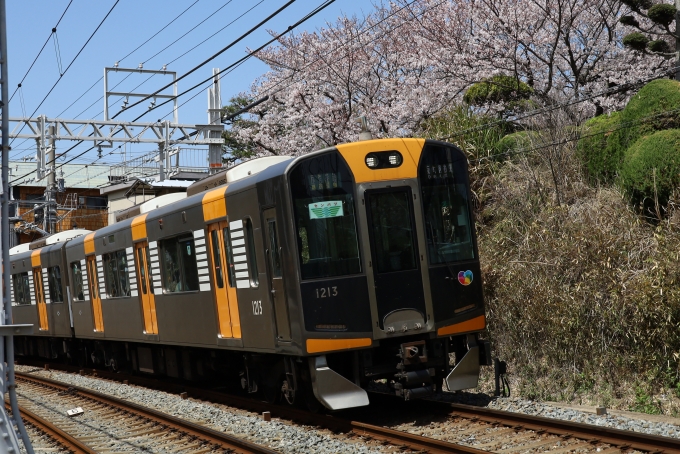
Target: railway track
[[109, 424], [469, 429], [46, 437]]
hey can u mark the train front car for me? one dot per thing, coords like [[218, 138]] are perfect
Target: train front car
[[389, 273]]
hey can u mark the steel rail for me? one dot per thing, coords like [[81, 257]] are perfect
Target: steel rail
[[213, 436], [335, 424], [588, 432], [55, 433]]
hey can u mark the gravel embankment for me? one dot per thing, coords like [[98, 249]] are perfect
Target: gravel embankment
[[275, 434]]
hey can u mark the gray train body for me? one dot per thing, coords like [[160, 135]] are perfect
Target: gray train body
[[305, 280]]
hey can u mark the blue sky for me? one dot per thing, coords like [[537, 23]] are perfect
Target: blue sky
[[131, 23]]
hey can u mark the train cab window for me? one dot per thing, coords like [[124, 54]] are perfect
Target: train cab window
[[77, 278], [323, 203], [250, 251], [116, 276], [22, 289], [444, 187], [178, 258], [54, 281]]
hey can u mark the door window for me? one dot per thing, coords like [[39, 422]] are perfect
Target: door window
[[274, 253], [393, 234], [54, 280]]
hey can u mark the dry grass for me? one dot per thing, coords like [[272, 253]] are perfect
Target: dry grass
[[582, 294]]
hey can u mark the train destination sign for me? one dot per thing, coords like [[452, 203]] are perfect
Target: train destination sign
[[327, 209]]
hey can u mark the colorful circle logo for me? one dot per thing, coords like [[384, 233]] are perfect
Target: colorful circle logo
[[465, 277]]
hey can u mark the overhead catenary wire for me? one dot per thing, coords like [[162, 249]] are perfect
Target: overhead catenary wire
[[71, 63], [54, 30], [217, 54], [305, 18], [243, 59], [129, 53]]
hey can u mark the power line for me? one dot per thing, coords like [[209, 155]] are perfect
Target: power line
[[70, 64], [54, 30], [217, 54], [190, 30], [217, 32], [241, 60], [130, 53]]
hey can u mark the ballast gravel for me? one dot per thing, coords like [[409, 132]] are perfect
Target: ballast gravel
[[637, 422], [288, 438], [277, 435]]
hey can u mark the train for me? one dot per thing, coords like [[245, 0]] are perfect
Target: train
[[304, 279]]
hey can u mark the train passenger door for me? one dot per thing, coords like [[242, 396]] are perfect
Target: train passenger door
[[40, 299], [224, 278], [394, 251], [278, 291], [95, 298], [146, 295]]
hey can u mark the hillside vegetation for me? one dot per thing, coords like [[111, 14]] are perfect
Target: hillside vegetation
[[580, 246]]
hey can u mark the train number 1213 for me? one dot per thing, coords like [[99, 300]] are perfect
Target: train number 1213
[[257, 307], [326, 292]]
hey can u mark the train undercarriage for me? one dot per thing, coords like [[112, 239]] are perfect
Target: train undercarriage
[[413, 369]]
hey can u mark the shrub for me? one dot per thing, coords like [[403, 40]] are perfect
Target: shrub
[[600, 158], [513, 142], [648, 111], [636, 41], [651, 168], [662, 14]]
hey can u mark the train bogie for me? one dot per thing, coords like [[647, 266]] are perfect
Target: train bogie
[[305, 278]]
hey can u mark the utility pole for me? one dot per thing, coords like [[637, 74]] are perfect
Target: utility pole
[[51, 188], [214, 118], [677, 40], [10, 428]]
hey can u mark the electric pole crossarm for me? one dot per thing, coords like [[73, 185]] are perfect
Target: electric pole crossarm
[[95, 131]]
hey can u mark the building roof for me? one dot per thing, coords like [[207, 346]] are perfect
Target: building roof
[[75, 175]]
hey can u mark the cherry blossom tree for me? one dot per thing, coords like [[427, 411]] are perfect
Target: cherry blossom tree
[[411, 60]]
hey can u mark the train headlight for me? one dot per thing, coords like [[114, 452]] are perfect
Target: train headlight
[[394, 159], [384, 159], [372, 161]]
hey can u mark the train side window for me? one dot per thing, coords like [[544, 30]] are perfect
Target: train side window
[[116, 276], [231, 271], [22, 293], [54, 280], [77, 277], [250, 252], [178, 258]]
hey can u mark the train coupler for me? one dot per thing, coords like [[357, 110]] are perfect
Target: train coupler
[[413, 381]]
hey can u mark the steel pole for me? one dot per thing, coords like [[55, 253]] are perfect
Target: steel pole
[[7, 352]]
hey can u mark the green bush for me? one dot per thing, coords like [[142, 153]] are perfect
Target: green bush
[[600, 157], [514, 142], [651, 168], [652, 109]]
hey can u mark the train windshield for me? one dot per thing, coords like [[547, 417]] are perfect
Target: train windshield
[[444, 187], [325, 222]]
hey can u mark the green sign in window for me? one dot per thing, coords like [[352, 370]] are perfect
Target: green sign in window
[[326, 209]]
